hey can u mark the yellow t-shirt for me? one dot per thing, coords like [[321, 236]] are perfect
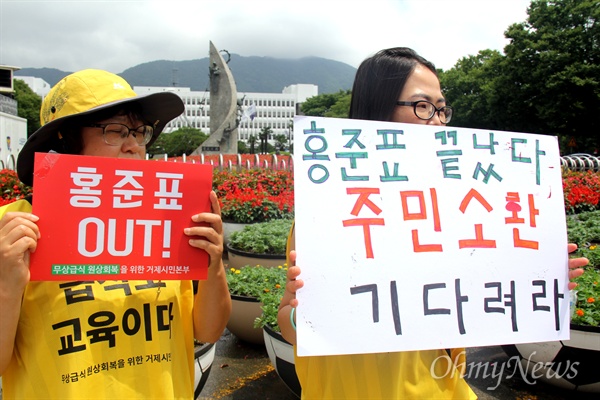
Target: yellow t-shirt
[[399, 375], [102, 339], [431, 374]]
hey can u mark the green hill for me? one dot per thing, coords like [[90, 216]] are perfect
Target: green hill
[[252, 74]]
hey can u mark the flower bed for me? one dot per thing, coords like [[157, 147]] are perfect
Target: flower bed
[[584, 230], [257, 195], [268, 237], [255, 281], [11, 188], [265, 284], [581, 191]]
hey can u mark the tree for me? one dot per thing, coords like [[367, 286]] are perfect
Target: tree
[[280, 142], [28, 105], [252, 140], [469, 87], [547, 82], [264, 138], [242, 147], [182, 141], [270, 148], [341, 108], [328, 105], [552, 68]]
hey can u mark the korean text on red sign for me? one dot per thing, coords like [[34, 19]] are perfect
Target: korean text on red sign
[[105, 218]]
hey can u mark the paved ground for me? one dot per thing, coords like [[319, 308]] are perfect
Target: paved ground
[[243, 371]]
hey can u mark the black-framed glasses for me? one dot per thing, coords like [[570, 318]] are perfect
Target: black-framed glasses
[[426, 110], [115, 134]]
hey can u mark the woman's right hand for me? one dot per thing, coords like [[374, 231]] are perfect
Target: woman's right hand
[[19, 234]]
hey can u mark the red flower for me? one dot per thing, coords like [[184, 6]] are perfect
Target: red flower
[[11, 188], [254, 195], [581, 190]]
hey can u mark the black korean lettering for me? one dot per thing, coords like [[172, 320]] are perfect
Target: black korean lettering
[[536, 296], [68, 341], [102, 320], [124, 285], [428, 310], [486, 303], [75, 295], [147, 322], [395, 308], [557, 296], [374, 297], [512, 303], [151, 285], [160, 317], [460, 299], [131, 315]]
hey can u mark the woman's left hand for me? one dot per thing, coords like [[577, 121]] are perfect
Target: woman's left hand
[[575, 265]]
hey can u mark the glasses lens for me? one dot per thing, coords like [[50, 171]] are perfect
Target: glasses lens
[[445, 114], [143, 134], [114, 134], [424, 109]]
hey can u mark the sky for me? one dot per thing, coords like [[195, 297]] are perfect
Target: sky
[[115, 35]]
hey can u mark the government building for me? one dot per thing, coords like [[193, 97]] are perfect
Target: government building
[[255, 110]]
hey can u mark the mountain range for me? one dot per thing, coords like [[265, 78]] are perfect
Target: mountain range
[[251, 74]]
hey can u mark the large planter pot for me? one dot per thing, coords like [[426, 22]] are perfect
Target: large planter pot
[[204, 355], [571, 364], [244, 310], [229, 228], [238, 259], [281, 354]]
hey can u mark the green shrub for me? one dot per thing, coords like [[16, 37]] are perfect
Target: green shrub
[[262, 238]]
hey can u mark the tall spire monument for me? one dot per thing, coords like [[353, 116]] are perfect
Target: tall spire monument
[[223, 108]]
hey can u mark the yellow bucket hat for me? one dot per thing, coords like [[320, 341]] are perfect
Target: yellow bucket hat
[[84, 93]]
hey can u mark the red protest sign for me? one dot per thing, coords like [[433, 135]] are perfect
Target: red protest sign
[[117, 219]]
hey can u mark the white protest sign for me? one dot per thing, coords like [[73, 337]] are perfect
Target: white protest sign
[[414, 237]]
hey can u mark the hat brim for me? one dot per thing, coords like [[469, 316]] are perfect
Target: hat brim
[[162, 107]]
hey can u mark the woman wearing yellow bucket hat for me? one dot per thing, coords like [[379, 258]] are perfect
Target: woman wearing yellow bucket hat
[[94, 112]]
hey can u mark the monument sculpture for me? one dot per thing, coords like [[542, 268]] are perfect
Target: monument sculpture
[[224, 119]]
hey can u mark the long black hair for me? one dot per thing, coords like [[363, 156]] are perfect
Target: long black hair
[[379, 81]]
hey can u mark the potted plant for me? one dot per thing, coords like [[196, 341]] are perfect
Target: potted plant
[[262, 243], [204, 355], [251, 196], [281, 352], [246, 286]]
